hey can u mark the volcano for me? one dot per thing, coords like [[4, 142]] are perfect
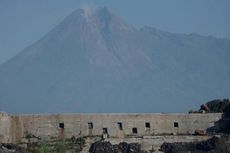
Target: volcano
[[93, 61]]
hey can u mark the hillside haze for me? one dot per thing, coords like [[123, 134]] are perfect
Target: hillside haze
[[93, 61]]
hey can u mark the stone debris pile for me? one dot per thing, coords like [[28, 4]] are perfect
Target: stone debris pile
[[107, 147], [212, 145]]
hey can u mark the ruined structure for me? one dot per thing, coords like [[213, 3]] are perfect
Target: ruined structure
[[13, 128]]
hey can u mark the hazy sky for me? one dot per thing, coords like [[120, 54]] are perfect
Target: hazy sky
[[22, 22]]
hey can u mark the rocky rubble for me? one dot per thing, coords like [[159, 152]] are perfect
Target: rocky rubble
[[10, 148], [107, 147], [216, 106], [213, 145]]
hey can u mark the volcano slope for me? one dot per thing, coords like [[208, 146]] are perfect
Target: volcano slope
[[93, 61]]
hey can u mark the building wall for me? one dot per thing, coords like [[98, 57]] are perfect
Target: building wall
[[5, 128], [47, 125]]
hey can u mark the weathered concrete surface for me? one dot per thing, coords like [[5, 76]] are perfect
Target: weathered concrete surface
[[6, 127], [14, 128]]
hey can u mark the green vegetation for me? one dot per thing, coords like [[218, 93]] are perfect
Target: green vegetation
[[60, 147], [42, 147], [54, 145]]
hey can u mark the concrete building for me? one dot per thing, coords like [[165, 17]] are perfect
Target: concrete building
[[13, 128]]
